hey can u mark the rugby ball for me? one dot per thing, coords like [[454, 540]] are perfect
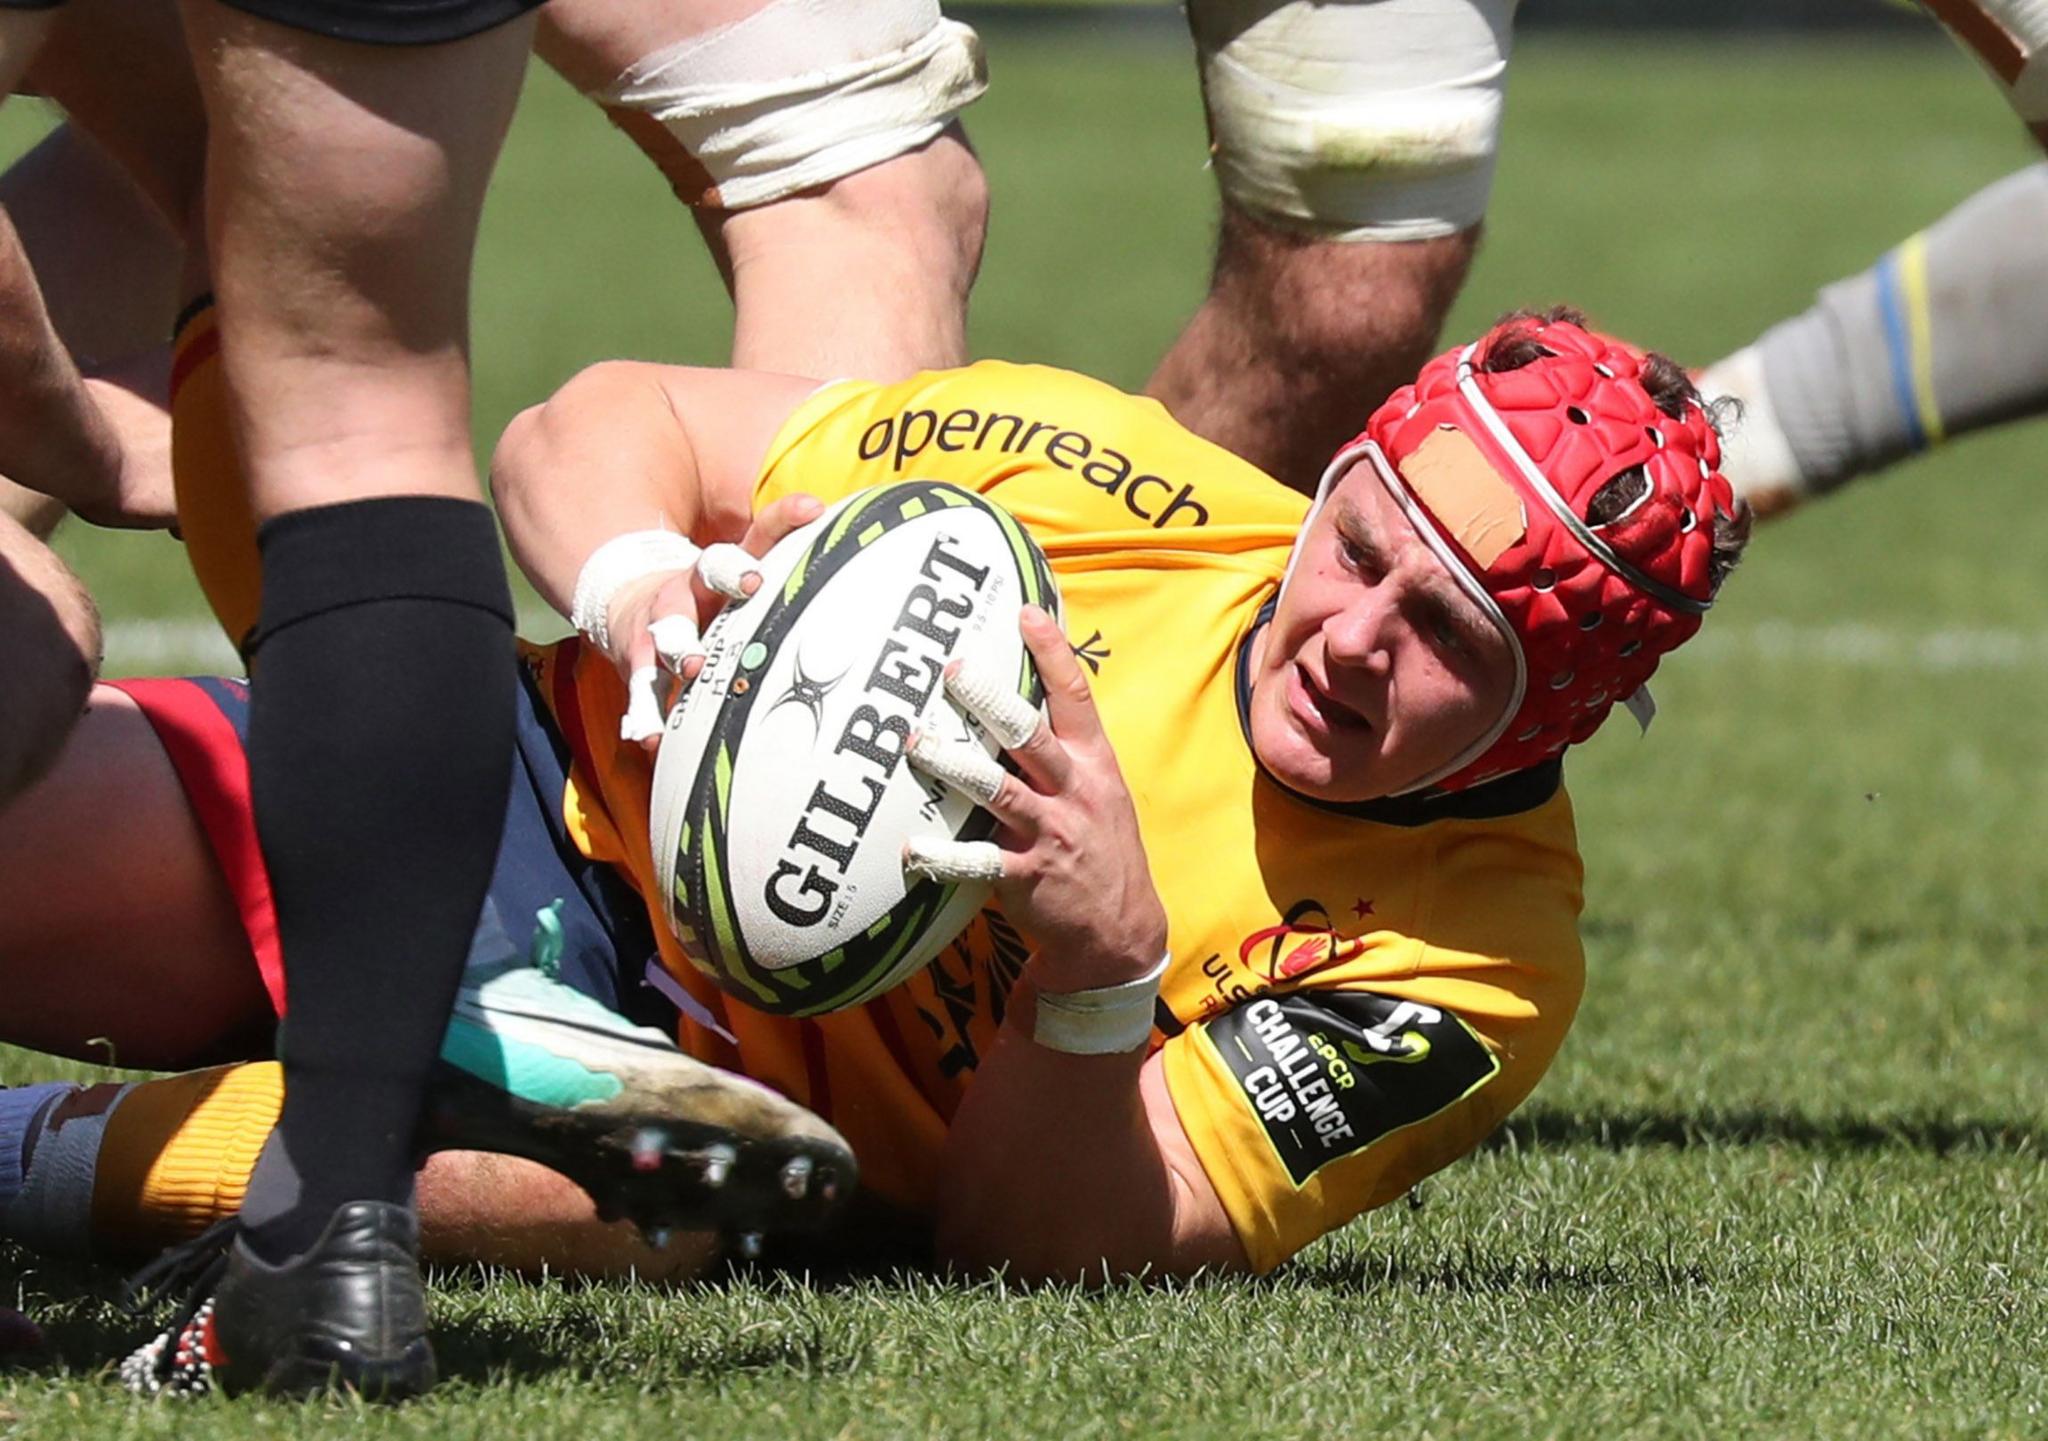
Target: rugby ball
[[782, 797]]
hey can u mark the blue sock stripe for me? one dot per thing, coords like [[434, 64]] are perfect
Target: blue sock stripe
[[1898, 347], [19, 1106]]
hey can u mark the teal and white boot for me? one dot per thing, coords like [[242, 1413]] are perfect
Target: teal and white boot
[[532, 1067]]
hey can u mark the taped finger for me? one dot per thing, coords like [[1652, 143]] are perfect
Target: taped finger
[[1004, 714], [965, 767], [723, 566], [643, 706], [675, 641], [943, 860]]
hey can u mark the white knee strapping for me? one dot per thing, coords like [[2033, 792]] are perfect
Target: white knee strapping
[[1356, 120], [803, 92]]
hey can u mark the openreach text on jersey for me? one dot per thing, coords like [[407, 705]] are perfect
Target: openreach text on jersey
[[1149, 497]]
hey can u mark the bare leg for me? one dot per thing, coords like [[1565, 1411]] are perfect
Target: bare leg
[[119, 941], [866, 276], [504, 1211], [106, 261], [1300, 338], [344, 188], [119, 69], [344, 183]]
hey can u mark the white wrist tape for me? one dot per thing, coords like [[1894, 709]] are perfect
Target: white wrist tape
[[1105, 1021], [617, 563]]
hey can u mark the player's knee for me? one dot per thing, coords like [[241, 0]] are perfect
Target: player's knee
[[932, 203], [49, 650], [1355, 122]]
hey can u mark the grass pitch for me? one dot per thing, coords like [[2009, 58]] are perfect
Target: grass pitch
[[1786, 1177]]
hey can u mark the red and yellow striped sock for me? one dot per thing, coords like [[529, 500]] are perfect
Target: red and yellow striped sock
[[214, 514]]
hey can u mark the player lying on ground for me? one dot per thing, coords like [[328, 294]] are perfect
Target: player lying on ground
[[1313, 752]]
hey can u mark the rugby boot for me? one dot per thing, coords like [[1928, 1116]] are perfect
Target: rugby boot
[[532, 1067], [349, 1315]]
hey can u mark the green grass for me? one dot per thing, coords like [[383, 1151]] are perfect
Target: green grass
[[1786, 1177]]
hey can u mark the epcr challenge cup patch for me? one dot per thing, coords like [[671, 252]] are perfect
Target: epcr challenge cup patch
[[1330, 1072]]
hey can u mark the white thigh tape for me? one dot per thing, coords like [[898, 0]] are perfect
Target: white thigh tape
[[803, 92], [1105, 1021], [953, 861], [966, 768], [1007, 716], [1356, 121], [618, 563]]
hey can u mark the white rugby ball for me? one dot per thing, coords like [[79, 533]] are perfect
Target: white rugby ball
[[782, 796]]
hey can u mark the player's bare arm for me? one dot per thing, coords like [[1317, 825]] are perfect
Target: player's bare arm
[[1091, 1139], [628, 446], [628, 501]]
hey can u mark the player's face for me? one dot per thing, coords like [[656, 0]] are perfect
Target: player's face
[[1376, 668]]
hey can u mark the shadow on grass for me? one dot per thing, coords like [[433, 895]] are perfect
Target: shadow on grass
[[1643, 1128], [86, 1334], [1467, 1271], [526, 1349]]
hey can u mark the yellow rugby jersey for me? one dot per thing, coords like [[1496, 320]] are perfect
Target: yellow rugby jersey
[[1357, 995]]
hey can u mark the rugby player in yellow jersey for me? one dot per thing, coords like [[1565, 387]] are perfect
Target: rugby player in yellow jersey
[[1310, 753]]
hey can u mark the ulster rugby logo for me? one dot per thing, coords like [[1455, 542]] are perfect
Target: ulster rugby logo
[[1304, 941]]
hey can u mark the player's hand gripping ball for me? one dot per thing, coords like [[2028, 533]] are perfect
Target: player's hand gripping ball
[[783, 793]]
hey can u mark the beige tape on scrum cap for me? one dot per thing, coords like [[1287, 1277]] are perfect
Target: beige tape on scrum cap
[[1470, 501], [798, 94]]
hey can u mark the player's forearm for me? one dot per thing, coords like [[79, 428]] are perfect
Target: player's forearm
[[1053, 1170], [604, 456], [53, 439]]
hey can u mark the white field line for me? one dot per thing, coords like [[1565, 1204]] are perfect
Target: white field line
[[1855, 646], [196, 647]]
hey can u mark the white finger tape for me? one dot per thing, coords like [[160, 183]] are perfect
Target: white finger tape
[[643, 707], [966, 768], [723, 566], [943, 860], [675, 640], [618, 563], [1104, 1021], [1007, 716]]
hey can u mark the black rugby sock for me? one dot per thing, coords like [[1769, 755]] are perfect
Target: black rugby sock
[[380, 753]]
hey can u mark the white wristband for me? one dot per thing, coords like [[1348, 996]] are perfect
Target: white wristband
[[1104, 1021], [619, 562]]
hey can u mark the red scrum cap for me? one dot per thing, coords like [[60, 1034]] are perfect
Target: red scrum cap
[[1499, 472]]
